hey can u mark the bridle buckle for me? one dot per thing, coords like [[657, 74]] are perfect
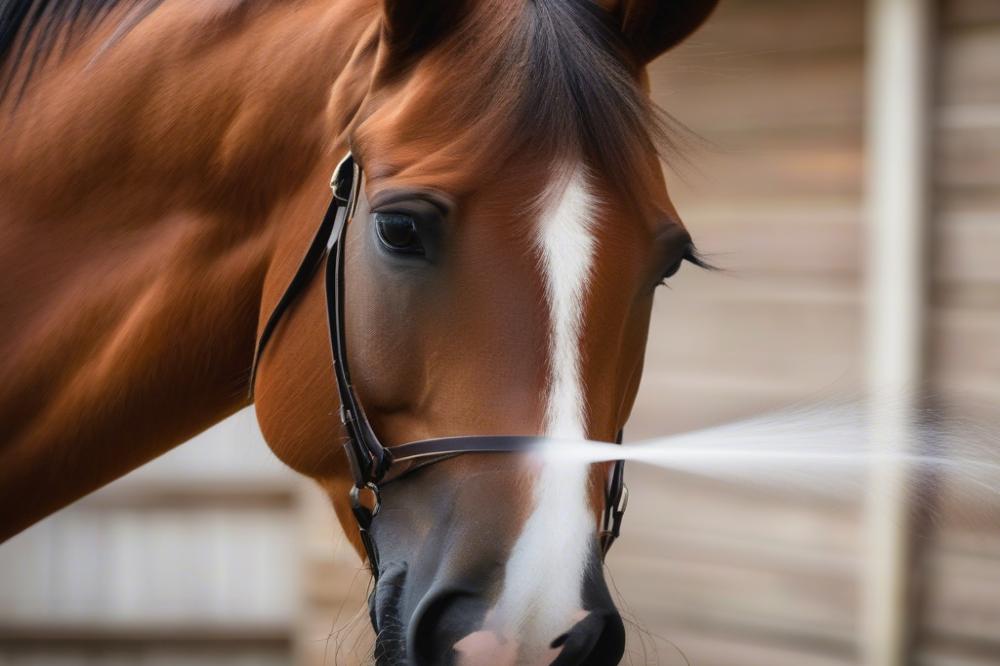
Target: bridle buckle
[[615, 502], [619, 511], [346, 183], [363, 513]]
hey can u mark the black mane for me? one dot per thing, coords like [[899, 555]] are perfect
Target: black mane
[[32, 31]]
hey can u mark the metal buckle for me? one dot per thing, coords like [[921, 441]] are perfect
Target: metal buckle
[[346, 183], [613, 519], [362, 513], [622, 503]]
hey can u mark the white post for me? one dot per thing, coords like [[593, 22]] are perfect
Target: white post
[[898, 132]]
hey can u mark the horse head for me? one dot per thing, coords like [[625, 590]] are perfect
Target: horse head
[[500, 266]]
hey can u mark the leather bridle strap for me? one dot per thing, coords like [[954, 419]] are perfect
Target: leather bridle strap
[[370, 462], [616, 494], [303, 274], [615, 503]]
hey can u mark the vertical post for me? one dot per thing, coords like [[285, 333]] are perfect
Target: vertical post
[[899, 48]]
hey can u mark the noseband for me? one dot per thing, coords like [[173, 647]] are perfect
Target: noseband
[[372, 464]]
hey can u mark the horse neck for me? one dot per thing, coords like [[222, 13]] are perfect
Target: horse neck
[[147, 192]]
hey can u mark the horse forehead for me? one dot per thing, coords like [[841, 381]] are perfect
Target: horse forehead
[[514, 203]]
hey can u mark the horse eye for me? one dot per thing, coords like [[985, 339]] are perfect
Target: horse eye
[[672, 270], [398, 233]]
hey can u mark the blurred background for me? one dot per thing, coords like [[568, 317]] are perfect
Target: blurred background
[[834, 132]]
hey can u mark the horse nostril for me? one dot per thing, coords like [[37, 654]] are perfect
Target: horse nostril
[[437, 624], [596, 640]]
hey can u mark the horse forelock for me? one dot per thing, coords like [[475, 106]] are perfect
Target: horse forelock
[[546, 78]]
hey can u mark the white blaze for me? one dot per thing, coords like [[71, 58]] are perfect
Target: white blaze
[[541, 596]]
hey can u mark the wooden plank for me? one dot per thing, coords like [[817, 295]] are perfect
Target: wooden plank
[[752, 338], [963, 345], [931, 652], [98, 644], [195, 495], [694, 542], [961, 598], [719, 647], [167, 653], [330, 637], [680, 403], [793, 95], [21, 635], [123, 565], [969, 159], [752, 25], [969, 13], [796, 167], [337, 585], [966, 247], [750, 239], [808, 530], [968, 65], [807, 79]]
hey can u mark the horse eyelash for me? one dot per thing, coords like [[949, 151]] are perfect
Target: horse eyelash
[[692, 256]]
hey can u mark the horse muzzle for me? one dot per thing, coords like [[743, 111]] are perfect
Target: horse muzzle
[[444, 535]]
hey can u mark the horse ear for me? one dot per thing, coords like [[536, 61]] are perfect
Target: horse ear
[[410, 26], [651, 27]]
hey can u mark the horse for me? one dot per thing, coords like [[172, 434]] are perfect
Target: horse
[[163, 168]]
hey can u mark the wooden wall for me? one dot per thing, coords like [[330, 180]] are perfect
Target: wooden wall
[[191, 560], [730, 574], [959, 576], [776, 89]]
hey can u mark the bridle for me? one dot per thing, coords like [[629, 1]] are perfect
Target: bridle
[[372, 464]]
